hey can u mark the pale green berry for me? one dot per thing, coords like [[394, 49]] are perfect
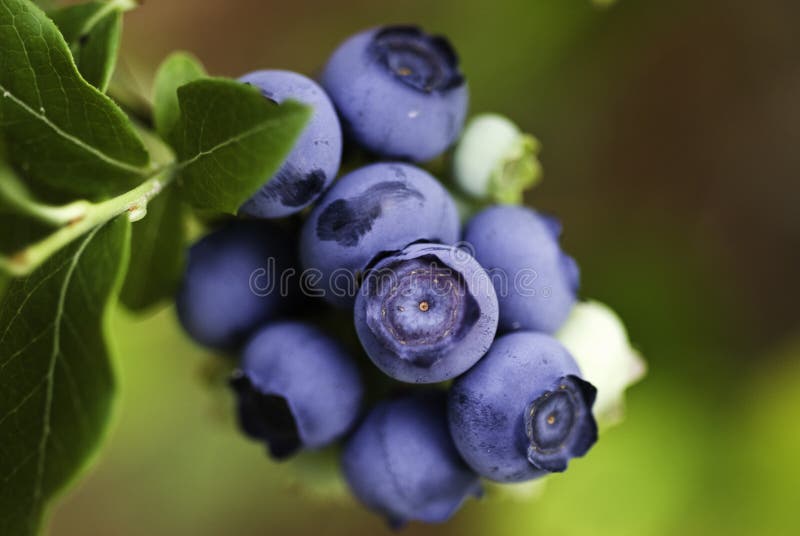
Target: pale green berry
[[496, 161], [597, 339]]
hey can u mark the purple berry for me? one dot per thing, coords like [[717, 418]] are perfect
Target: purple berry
[[535, 280], [401, 462], [230, 285], [426, 314], [523, 410], [399, 91], [297, 388], [376, 209], [314, 161]]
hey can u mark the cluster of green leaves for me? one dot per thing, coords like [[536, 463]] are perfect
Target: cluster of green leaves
[[75, 171]]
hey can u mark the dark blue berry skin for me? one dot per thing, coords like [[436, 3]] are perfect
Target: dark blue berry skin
[[536, 282], [523, 410], [401, 462], [229, 286], [297, 388], [314, 161], [426, 314], [376, 209], [399, 92]]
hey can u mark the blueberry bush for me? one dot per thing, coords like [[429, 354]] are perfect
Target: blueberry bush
[[356, 242]]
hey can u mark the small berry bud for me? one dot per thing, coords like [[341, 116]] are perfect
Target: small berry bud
[[495, 160], [596, 338]]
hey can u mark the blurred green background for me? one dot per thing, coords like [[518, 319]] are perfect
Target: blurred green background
[[671, 131]]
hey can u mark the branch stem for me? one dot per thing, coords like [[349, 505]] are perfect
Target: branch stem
[[133, 202]]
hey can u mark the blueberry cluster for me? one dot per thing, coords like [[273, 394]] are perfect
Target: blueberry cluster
[[382, 252]]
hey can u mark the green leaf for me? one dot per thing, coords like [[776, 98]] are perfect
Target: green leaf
[[60, 130], [56, 376], [93, 32], [4, 280], [230, 140], [177, 70], [157, 252]]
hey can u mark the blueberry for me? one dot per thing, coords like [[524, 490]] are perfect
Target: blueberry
[[401, 461], [426, 314], [375, 209], [314, 161], [536, 282], [523, 410], [231, 282], [399, 91], [297, 388]]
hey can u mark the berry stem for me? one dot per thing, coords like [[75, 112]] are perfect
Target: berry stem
[[15, 195], [134, 201]]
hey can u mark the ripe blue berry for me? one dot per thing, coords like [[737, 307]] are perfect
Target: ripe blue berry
[[535, 280], [399, 91], [523, 410], [297, 388], [426, 314], [314, 161], [401, 462], [376, 209], [230, 285]]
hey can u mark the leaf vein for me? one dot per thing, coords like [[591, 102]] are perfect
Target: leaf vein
[[42, 449], [230, 141], [69, 137], [44, 280], [21, 464], [23, 401], [30, 343]]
